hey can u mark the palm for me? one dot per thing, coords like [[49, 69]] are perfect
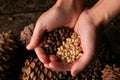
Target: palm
[[56, 17], [87, 31]]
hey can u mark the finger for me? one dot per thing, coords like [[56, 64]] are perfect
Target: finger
[[80, 64], [53, 58], [88, 43], [36, 37], [59, 66], [47, 66], [41, 55]]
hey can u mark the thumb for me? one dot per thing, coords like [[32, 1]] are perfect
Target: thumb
[[36, 37], [80, 64], [88, 43]]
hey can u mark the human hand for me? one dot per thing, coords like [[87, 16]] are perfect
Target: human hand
[[64, 12], [88, 30]]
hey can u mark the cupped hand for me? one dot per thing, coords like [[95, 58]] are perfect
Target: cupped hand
[[61, 14], [87, 28]]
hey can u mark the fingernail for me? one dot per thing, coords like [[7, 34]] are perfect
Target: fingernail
[[28, 47], [74, 73], [46, 65]]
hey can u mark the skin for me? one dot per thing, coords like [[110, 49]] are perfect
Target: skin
[[85, 23]]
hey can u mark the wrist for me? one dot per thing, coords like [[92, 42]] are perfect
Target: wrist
[[104, 11], [68, 4], [96, 17]]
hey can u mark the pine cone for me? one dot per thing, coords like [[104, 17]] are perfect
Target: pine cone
[[26, 34], [111, 73], [7, 53], [35, 70]]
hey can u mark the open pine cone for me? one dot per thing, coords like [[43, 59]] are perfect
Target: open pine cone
[[8, 46], [111, 73], [35, 70]]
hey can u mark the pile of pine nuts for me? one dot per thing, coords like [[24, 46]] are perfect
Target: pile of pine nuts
[[71, 49]]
